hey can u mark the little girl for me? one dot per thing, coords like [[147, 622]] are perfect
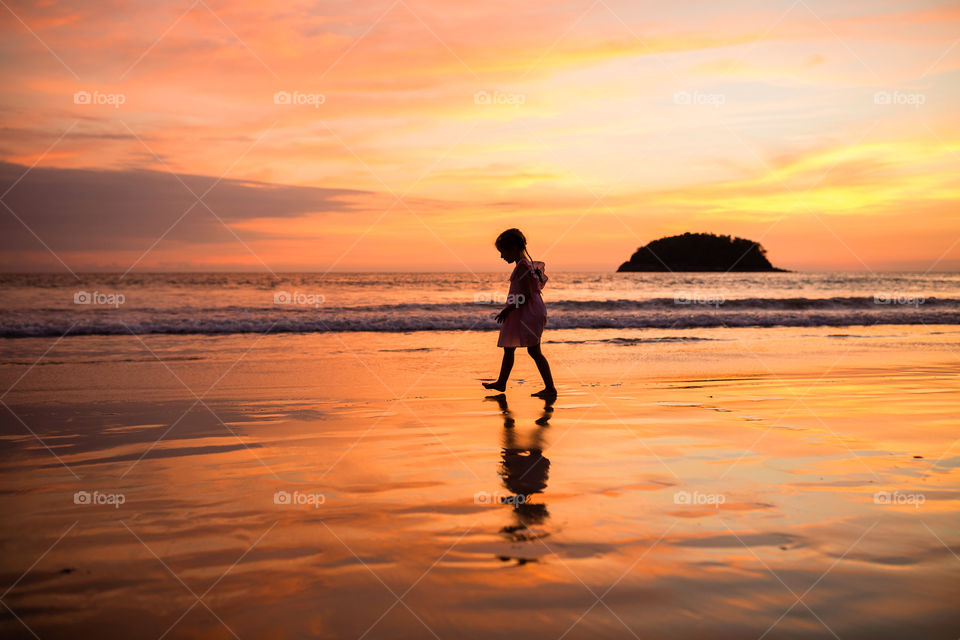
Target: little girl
[[522, 320]]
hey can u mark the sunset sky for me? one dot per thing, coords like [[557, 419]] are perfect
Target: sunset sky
[[827, 130]]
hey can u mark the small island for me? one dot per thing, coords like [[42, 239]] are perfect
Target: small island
[[699, 252]]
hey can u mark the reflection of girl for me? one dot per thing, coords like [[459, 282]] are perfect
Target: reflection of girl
[[524, 472]]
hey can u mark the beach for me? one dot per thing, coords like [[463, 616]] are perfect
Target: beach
[[257, 261], [729, 482]]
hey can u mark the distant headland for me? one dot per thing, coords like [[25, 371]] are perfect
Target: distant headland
[[699, 252]]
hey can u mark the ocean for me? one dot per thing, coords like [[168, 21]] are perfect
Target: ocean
[[36, 305]]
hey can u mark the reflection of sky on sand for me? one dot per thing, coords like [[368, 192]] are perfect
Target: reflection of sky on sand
[[798, 461]]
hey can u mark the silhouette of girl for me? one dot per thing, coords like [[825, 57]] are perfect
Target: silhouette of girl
[[523, 318]]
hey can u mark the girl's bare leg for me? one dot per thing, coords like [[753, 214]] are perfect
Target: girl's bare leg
[[505, 367], [549, 390]]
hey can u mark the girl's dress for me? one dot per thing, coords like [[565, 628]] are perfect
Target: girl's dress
[[524, 325]]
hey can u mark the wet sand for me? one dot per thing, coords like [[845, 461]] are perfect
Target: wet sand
[[746, 483]]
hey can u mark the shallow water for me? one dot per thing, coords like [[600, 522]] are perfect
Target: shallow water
[[799, 497]]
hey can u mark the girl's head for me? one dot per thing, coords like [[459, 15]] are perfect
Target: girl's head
[[511, 244]]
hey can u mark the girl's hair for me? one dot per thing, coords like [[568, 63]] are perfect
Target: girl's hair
[[511, 238]]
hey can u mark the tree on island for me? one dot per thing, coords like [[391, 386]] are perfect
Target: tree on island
[[699, 252]]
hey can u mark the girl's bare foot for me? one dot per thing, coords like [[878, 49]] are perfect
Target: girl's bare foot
[[545, 393], [499, 386]]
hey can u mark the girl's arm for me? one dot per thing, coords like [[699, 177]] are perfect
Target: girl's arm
[[526, 289], [526, 284], [526, 292]]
